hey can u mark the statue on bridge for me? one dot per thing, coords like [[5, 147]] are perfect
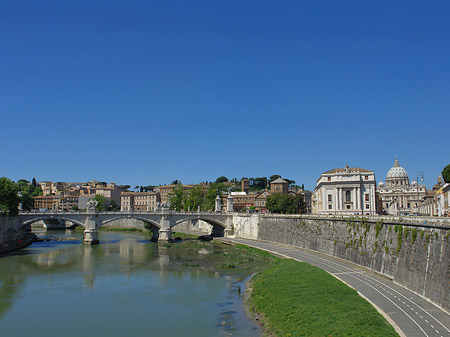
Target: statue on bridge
[[90, 206]]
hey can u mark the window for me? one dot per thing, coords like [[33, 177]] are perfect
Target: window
[[348, 196], [329, 178], [263, 203], [409, 205], [330, 206], [329, 197], [348, 206], [367, 197], [278, 188], [366, 177], [367, 206]]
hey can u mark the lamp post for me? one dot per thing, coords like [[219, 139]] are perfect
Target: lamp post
[[419, 174]]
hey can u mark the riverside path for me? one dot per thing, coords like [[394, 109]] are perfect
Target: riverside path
[[410, 314]]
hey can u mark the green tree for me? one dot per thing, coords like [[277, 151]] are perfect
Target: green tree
[[9, 200], [211, 195], [113, 206], [34, 183], [446, 174], [274, 177], [101, 203], [285, 203], [222, 179], [74, 208], [27, 202], [194, 198], [177, 198]]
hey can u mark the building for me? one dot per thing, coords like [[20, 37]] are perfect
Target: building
[[110, 192], [279, 186], [139, 201], [165, 190], [307, 198], [399, 196], [345, 191], [260, 201], [44, 202]]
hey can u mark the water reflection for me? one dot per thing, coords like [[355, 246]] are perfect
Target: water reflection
[[128, 284]]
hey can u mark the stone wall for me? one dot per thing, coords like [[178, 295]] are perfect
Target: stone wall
[[9, 230], [125, 223], [194, 226], [416, 256]]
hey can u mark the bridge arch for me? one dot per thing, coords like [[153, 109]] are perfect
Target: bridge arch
[[218, 228], [151, 222], [43, 217], [154, 225]]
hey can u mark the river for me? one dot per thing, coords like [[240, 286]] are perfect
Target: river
[[126, 286]]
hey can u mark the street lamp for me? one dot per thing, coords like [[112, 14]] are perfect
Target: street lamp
[[419, 174]]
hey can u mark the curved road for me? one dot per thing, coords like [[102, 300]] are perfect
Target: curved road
[[413, 315]]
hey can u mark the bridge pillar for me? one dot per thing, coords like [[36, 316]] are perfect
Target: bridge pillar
[[228, 232], [165, 231], [165, 235], [90, 236], [91, 231]]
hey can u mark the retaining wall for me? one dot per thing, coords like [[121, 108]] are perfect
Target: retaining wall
[[414, 256], [9, 232]]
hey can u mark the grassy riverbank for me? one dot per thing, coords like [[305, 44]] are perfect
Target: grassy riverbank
[[297, 299]]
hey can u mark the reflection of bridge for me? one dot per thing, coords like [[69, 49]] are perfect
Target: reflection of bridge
[[160, 222]]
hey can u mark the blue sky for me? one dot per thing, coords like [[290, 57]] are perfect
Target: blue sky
[[143, 92]]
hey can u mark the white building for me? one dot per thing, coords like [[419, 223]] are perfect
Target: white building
[[398, 196], [345, 191]]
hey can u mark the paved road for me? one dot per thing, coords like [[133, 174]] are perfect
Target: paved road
[[413, 315]]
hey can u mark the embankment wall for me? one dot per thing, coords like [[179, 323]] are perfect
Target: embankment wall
[[9, 231], [416, 256]]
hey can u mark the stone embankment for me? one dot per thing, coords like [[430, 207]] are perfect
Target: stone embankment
[[12, 238], [414, 253]]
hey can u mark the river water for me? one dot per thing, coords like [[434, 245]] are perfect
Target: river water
[[126, 286]]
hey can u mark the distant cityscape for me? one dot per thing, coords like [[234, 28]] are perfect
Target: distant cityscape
[[341, 191]]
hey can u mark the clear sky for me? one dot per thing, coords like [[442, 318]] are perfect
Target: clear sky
[[146, 92]]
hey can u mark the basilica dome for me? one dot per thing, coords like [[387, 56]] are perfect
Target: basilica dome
[[396, 172]]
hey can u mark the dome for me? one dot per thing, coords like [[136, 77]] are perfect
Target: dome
[[414, 183], [396, 172], [381, 184]]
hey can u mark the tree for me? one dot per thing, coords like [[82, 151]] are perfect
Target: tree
[[101, 202], [446, 174], [211, 195], [285, 203], [124, 187], [175, 182], [9, 200], [74, 208], [222, 179], [148, 188], [34, 183], [27, 202], [113, 206], [274, 177], [194, 199], [177, 198], [141, 189]]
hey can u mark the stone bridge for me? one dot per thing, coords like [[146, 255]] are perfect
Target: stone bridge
[[160, 222]]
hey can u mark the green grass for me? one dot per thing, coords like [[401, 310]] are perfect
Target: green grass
[[184, 235], [117, 229], [297, 299]]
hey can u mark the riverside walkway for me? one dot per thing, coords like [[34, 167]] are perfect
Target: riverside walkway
[[410, 314]]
